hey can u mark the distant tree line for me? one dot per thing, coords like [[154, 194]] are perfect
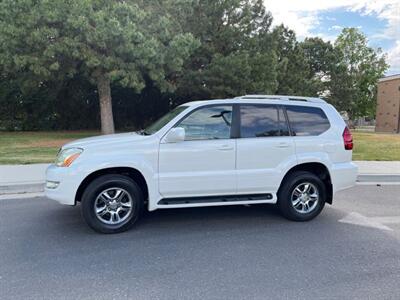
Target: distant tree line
[[68, 64]]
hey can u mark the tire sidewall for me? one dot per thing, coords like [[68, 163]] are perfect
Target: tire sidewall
[[285, 194], [102, 183]]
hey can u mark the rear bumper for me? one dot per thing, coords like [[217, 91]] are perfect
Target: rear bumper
[[343, 176]]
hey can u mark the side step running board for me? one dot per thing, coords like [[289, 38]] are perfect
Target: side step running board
[[212, 199]]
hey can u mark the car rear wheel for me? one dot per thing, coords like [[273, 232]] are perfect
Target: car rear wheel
[[302, 196], [112, 203]]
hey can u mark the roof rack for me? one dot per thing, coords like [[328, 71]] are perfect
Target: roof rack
[[282, 97]]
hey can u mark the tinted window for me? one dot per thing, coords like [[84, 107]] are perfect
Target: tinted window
[[305, 121], [207, 123], [262, 121]]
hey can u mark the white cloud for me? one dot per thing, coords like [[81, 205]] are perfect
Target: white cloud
[[302, 16], [393, 59], [301, 23], [336, 27], [326, 37], [392, 15]]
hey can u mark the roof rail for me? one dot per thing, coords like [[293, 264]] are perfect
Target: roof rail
[[282, 97]]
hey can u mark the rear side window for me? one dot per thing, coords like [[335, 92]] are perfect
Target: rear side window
[[307, 121], [262, 121]]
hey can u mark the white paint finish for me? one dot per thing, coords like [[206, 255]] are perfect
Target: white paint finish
[[343, 175], [191, 168], [355, 218], [328, 146], [211, 167], [131, 151], [261, 163]]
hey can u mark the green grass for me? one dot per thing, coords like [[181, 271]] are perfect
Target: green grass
[[376, 146], [35, 147], [41, 147]]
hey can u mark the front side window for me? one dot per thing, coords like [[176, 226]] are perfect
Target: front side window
[[262, 121], [307, 121], [213, 122], [160, 123]]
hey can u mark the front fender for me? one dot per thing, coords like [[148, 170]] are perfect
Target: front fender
[[144, 165]]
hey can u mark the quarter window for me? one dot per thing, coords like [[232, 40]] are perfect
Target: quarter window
[[213, 122], [262, 121], [307, 121]]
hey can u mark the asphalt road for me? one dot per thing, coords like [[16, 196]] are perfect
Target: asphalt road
[[351, 251]]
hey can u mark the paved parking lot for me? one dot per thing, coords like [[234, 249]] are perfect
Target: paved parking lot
[[351, 251]]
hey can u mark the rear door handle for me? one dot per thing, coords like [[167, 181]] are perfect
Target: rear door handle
[[225, 147], [283, 145]]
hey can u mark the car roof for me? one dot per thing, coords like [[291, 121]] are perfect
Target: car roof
[[268, 99]]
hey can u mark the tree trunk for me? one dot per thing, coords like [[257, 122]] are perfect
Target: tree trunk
[[106, 114]]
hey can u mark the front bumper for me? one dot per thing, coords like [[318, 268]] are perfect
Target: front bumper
[[343, 176], [61, 184]]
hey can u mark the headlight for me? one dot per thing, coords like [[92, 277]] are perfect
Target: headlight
[[66, 157]]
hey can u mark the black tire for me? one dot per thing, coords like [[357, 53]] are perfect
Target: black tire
[[285, 204], [110, 181]]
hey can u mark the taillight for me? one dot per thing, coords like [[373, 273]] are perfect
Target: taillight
[[347, 139]]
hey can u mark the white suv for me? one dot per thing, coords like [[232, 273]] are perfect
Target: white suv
[[290, 150]]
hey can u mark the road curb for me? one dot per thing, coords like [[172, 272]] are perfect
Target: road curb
[[21, 196], [13, 175], [38, 187], [12, 189], [379, 178]]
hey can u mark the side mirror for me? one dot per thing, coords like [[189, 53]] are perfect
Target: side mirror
[[175, 135]]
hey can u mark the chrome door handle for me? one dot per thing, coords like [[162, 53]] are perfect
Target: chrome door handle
[[225, 147], [283, 145]]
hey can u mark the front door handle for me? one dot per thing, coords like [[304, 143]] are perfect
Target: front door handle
[[225, 147], [283, 145]]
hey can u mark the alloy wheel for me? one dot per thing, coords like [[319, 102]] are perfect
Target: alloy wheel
[[305, 197], [113, 206]]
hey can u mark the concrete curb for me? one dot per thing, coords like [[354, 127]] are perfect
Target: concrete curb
[[21, 188], [21, 196], [22, 174], [38, 187], [22, 179], [378, 167], [395, 178]]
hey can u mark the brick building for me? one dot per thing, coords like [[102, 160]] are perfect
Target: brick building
[[388, 105]]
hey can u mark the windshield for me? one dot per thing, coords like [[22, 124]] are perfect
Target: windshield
[[160, 123]]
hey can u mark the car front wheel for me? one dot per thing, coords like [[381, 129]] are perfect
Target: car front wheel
[[112, 203]]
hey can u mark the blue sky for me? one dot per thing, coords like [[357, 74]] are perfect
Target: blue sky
[[378, 19]]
